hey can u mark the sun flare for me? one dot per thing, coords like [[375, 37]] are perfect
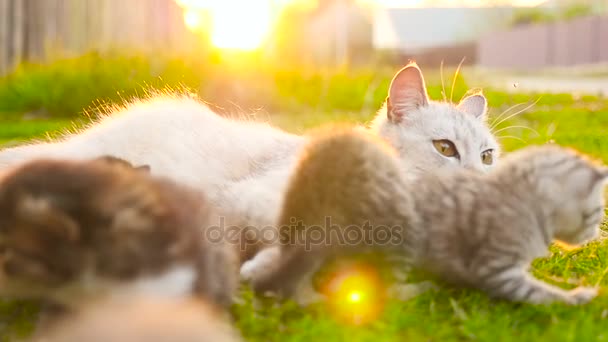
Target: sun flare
[[193, 20], [235, 24], [240, 24]]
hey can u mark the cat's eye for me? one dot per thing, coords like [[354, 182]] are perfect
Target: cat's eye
[[487, 157], [446, 148]]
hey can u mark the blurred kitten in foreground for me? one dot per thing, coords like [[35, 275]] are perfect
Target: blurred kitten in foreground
[[143, 319], [73, 230]]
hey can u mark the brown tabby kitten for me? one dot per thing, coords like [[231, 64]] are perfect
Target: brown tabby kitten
[[474, 230], [71, 230], [144, 319]]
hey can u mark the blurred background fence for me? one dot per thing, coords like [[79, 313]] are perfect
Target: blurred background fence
[[493, 33], [36, 30], [581, 41]]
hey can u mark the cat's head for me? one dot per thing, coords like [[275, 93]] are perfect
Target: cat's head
[[568, 186], [430, 135]]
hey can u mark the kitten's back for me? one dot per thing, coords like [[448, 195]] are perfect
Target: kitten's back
[[345, 177], [342, 166]]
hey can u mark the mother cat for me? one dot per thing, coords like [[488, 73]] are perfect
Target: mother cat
[[244, 166]]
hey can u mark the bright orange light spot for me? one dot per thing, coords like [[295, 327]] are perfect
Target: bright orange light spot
[[355, 295]]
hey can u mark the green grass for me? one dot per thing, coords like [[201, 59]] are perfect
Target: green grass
[[302, 102]]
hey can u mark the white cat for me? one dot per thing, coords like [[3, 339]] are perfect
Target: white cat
[[243, 167]]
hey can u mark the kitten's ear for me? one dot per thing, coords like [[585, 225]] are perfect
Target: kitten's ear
[[476, 105], [406, 93]]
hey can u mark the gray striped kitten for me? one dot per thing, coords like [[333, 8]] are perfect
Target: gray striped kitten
[[473, 230]]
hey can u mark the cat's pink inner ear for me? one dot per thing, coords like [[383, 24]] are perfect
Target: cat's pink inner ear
[[476, 105], [406, 93]]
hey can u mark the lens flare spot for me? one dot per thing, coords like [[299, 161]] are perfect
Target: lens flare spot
[[356, 295]]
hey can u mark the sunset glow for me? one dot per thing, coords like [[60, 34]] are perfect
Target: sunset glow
[[240, 24], [235, 24], [193, 19], [245, 24], [452, 3]]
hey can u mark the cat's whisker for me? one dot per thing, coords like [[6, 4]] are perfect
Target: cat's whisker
[[512, 137], [445, 99], [507, 111], [514, 114], [455, 77], [510, 127]]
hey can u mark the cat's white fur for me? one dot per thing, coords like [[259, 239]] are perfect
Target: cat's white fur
[[243, 166]]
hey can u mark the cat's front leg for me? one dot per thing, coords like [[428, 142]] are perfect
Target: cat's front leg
[[516, 284]]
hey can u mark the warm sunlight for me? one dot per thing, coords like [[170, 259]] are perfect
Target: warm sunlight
[[240, 24], [193, 19], [453, 3], [236, 24], [245, 24]]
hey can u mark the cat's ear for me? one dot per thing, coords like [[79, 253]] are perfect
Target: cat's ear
[[406, 93], [475, 105]]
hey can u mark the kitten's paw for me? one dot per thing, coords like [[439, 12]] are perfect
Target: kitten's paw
[[582, 295], [405, 292], [248, 270], [263, 261]]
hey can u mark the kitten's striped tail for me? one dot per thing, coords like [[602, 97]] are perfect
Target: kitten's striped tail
[[514, 283]]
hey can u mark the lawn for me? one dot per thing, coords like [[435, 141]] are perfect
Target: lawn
[[443, 315]]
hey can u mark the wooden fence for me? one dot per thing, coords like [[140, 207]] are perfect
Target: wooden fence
[[577, 42], [32, 30]]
